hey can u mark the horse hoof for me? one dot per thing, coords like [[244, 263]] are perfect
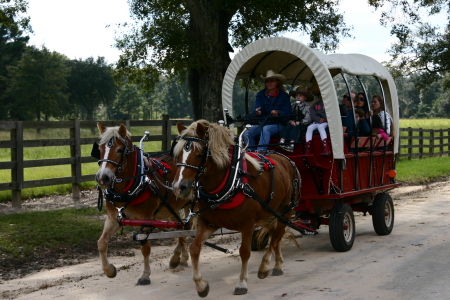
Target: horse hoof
[[113, 274], [240, 291], [184, 264], [262, 275], [173, 265], [143, 282], [205, 292], [277, 272]]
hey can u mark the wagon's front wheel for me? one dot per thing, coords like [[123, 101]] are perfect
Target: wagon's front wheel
[[383, 214], [342, 227]]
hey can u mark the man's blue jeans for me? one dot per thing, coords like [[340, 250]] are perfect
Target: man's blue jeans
[[265, 133]]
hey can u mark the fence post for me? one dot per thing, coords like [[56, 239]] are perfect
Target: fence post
[[410, 143], [75, 152], [17, 176], [441, 142], [167, 132], [431, 145], [448, 141], [420, 142]]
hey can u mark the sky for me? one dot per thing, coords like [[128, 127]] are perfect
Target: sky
[[86, 28]]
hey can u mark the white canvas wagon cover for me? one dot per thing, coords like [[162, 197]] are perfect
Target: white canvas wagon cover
[[291, 58]]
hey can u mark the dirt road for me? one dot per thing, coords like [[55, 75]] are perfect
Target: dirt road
[[411, 263]]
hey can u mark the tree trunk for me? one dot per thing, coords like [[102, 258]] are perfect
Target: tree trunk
[[209, 32]]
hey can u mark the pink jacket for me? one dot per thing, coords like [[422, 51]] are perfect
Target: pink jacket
[[383, 134]]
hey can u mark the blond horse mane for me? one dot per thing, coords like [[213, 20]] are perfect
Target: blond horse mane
[[220, 138], [111, 132]]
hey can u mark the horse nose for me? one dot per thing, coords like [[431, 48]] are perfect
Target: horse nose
[[182, 188], [103, 180]]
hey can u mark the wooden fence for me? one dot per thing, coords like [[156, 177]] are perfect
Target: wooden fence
[[421, 143], [427, 142], [17, 144]]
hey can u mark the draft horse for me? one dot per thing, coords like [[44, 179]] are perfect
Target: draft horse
[[134, 187], [232, 194]]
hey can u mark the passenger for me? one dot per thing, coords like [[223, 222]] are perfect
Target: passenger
[[362, 128], [300, 123], [361, 103], [319, 118], [378, 128], [272, 101], [346, 104], [347, 119], [377, 106]]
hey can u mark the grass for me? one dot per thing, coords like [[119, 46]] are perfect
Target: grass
[[25, 233], [423, 171], [425, 123], [32, 241]]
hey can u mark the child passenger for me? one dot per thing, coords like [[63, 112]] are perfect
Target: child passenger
[[319, 118], [378, 129], [301, 121]]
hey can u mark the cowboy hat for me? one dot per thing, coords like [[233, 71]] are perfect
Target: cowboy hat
[[272, 74], [304, 91]]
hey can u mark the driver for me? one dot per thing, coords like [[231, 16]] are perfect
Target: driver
[[272, 101]]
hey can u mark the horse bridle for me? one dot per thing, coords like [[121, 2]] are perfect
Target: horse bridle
[[201, 169], [125, 152]]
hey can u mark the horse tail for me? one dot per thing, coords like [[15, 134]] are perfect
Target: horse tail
[[265, 231]]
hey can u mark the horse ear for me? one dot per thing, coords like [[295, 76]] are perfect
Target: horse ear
[[180, 127], [101, 128], [201, 130], [123, 131]]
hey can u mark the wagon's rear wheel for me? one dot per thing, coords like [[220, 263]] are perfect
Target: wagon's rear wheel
[[258, 246], [342, 227], [383, 214]]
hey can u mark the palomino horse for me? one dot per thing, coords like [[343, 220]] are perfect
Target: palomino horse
[[266, 196], [131, 194]]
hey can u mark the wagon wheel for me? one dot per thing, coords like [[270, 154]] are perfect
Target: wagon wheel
[[342, 227], [263, 243], [383, 214]]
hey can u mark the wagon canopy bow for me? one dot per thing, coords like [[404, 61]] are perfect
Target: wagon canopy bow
[[289, 57]]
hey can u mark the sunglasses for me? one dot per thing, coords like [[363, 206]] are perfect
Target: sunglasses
[[362, 99], [345, 97], [270, 80]]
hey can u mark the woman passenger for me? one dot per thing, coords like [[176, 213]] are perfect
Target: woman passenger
[[361, 103], [377, 106]]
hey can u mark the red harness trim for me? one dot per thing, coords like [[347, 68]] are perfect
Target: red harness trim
[[160, 171], [146, 194], [265, 166], [239, 197]]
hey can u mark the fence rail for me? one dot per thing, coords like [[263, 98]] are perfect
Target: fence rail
[[17, 144], [419, 143], [414, 143]]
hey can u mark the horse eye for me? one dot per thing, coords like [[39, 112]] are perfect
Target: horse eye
[[120, 151], [200, 155]]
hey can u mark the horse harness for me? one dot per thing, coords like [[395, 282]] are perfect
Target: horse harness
[[141, 184], [235, 182]]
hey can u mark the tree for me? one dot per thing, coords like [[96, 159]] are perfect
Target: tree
[[180, 37], [421, 47], [128, 103], [38, 85], [91, 84], [12, 15], [12, 46]]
